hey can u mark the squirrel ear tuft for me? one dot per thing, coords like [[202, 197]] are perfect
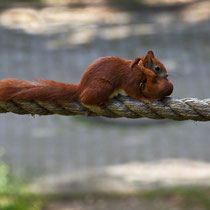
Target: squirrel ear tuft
[[150, 53], [148, 59], [134, 62]]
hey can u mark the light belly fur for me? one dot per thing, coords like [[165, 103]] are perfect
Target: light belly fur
[[118, 92]]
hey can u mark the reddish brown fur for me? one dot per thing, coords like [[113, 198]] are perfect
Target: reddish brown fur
[[156, 87], [101, 78], [15, 89]]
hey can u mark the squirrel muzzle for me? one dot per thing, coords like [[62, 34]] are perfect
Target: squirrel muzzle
[[157, 90]]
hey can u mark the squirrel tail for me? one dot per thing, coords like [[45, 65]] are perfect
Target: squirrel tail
[[43, 90]]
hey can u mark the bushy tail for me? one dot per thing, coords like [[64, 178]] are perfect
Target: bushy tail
[[43, 90]]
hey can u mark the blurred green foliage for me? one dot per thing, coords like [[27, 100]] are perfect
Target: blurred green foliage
[[4, 171], [13, 195], [181, 198]]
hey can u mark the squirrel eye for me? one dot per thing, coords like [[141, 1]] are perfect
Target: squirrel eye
[[157, 68]]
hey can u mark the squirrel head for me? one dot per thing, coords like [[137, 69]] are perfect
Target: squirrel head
[[159, 86], [158, 90], [150, 62], [156, 85], [154, 64]]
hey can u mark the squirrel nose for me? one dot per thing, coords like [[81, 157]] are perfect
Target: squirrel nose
[[165, 76]]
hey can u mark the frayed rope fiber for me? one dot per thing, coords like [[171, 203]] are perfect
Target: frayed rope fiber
[[121, 106]]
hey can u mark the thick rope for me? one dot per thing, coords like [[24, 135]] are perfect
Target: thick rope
[[175, 109]]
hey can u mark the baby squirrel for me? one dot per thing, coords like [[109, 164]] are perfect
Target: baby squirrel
[[142, 78]]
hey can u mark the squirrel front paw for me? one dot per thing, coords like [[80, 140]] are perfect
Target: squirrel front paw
[[146, 71]]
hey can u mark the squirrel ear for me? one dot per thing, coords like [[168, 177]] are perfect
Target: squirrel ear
[[150, 52], [148, 59], [134, 62]]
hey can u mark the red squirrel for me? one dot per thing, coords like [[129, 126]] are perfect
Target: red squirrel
[[142, 78]]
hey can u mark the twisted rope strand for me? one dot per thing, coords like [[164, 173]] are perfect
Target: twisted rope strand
[[122, 106]]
